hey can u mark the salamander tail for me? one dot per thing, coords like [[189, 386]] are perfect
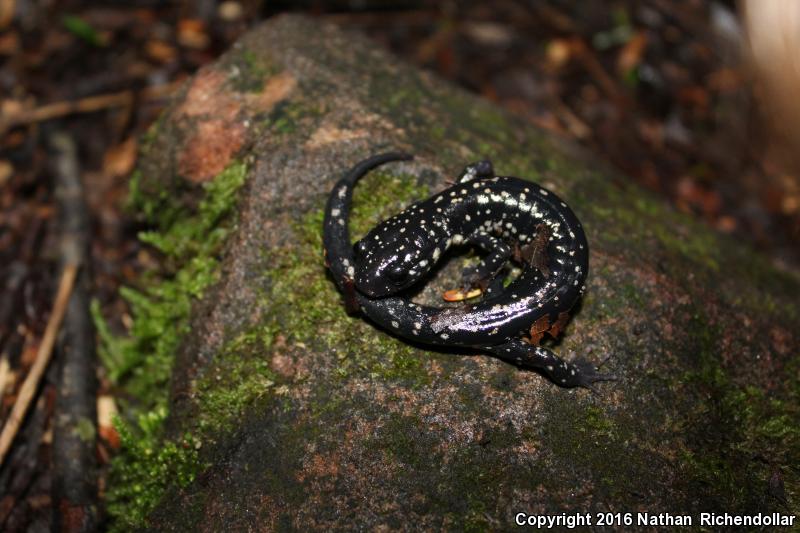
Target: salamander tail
[[336, 235]]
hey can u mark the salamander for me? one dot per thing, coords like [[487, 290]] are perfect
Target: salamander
[[510, 220]]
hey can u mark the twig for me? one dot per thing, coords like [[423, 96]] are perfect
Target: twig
[[23, 463], [5, 372], [84, 105], [595, 69], [18, 273], [40, 364], [74, 488]]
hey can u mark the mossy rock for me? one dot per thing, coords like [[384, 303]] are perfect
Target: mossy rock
[[298, 416]]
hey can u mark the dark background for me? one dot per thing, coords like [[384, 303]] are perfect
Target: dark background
[[658, 89]]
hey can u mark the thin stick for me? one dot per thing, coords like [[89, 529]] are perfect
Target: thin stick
[[36, 372], [5, 372], [84, 105], [73, 456]]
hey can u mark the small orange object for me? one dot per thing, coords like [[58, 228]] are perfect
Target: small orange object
[[456, 295]]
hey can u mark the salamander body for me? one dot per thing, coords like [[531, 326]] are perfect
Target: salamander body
[[508, 218]]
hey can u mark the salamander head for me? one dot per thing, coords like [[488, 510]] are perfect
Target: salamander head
[[394, 255]]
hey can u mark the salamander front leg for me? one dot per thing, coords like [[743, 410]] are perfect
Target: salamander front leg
[[578, 373]]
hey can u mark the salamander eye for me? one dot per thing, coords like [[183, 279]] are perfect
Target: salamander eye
[[397, 274]]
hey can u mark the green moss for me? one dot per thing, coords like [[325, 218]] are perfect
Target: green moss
[[199, 234], [146, 468], [161, 307], [141, 362], [146, 143], [303, 302], [407, 440], [250, 71], [698, 244], [470, 494], [239, 376], [83, 30], [747, 424], [147, 205], [597, 422], [85, 430], [286, 117], [583, 437]]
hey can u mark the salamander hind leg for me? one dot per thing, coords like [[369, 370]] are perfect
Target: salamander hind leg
[[480, 274], [578, 373], [482, 277], [477, 170]]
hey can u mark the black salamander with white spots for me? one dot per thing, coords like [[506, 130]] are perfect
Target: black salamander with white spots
[[510, 219]]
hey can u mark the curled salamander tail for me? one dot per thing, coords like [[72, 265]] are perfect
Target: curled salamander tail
[[335, 233]]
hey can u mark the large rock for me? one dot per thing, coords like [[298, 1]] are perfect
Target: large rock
[[307, 417]]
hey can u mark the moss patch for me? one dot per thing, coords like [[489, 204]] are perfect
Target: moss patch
[[289, 115], [303, 308], [302, 301], [239, 376], [147, 467], [249, 71], [141, 362], [742, 424]]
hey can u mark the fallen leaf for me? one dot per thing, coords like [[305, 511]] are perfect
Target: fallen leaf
[[192, 34], [120, 159], [630, 56]]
